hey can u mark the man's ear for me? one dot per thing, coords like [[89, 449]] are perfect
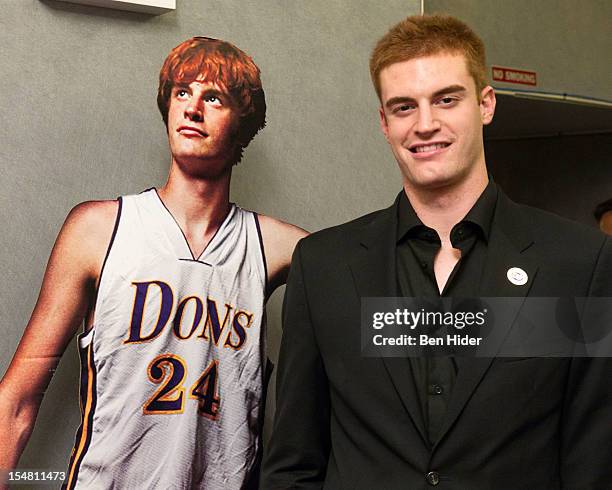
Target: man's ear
[[487, 104], [383, 123]]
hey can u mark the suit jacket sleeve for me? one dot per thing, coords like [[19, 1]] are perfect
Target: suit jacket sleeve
[[297, 454], [587, 414]]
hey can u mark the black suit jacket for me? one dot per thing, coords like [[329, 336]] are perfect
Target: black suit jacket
[[344, 421]]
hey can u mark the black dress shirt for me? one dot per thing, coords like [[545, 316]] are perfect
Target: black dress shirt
[[416, 249]]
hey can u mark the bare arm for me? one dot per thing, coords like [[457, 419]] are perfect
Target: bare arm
[[279, 239], [65, 298]]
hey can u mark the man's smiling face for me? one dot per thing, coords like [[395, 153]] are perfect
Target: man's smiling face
[[432, 118]]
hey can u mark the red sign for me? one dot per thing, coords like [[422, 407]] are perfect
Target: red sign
[[512, 75]]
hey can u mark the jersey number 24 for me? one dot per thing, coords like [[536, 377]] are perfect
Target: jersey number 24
[[169, 371]]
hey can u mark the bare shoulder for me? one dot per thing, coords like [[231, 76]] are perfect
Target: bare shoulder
[[91, 214], [86, 233], [277, 231], [279, 241]]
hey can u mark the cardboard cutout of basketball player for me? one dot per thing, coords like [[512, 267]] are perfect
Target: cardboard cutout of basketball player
[[171, 285]]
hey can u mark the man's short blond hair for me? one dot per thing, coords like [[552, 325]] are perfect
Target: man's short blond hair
[[425, 35]]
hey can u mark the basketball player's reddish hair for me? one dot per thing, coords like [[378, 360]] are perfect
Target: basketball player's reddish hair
[[212, 60], [425, 35]]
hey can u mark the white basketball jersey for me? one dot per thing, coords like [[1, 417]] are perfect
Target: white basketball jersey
[[172, 371]]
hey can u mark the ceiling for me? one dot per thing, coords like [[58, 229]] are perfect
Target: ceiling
[[521, 117]]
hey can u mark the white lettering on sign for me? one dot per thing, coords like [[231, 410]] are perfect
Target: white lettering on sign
[[512, 75]]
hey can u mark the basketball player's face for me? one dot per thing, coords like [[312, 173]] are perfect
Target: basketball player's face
[[202, 126]]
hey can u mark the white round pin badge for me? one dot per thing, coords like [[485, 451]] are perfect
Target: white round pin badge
[[517, 276]]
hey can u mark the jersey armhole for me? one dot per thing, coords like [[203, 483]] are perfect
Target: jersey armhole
[[263, 251], [100, 277]]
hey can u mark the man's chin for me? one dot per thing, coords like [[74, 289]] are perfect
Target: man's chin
[[208, 167], [437, 177], [431, 182]]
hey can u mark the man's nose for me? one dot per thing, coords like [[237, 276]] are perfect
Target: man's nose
[[194, 110], [427, 122]]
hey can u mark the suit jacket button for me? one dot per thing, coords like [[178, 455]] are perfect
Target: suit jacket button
[[433, 478]]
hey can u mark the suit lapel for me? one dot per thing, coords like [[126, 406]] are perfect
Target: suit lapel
[[374, 272], [510, 245], [373, 262]]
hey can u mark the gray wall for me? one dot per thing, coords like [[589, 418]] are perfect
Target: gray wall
[[77, 93], [566, 42]]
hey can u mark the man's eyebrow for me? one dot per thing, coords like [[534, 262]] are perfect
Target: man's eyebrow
[[451, 89], [214, 91], [397, 100], [209, 91]]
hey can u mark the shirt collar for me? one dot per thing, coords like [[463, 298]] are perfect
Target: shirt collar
[[481, 213]]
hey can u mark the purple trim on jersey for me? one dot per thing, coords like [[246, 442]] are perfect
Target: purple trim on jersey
[[177, 225], [253, 481], [86, 368], [108, 249], [198, 261], [263, 252], [193, 257], [82, 401]]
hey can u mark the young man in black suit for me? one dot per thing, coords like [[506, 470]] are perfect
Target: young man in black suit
[[347, 421]]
